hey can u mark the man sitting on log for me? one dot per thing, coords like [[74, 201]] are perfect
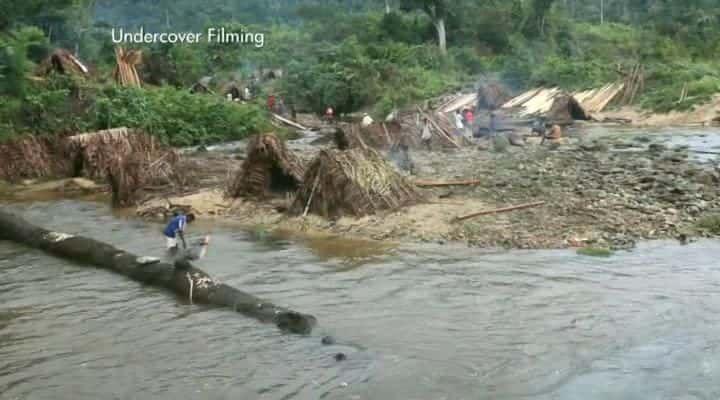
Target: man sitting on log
[[175, 228]]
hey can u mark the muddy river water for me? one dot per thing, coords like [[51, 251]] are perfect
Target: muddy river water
[[417, 322]]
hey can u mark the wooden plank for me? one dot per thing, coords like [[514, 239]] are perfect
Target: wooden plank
[[289, 122], [423, 183]]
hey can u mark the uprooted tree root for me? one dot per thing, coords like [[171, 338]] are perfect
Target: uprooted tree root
[[353, 182], [270, 168]]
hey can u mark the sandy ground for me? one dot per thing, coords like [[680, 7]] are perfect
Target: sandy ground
[[704, 115]]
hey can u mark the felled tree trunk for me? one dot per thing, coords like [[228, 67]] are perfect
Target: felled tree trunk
[[204, 288]]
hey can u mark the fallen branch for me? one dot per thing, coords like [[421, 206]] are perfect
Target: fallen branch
[[498, 210], [387, 135], [421, 183], [312, 194], [289, 122], [152, 272]]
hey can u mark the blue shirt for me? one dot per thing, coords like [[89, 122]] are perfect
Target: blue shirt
[[175, 225]]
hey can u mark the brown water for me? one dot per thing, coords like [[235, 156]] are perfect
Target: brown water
[[427, 322]]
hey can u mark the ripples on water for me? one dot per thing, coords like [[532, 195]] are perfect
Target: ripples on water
[[417, 322]]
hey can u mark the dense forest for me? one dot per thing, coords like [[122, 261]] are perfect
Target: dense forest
[[373, 55]]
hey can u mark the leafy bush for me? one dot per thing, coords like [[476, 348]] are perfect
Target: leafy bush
[[665, 83], [710, 223], [592, 251], [177, 117]]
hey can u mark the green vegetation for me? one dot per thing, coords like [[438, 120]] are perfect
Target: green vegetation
[[374, 55], [593, 251], [710, 223], [176, 116]]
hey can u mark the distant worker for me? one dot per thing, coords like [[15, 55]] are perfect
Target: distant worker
[[459, 125], [246, 94], [271, 102], [469, 117], [554, 135], [493, 124], [329, 113], [176, 227], [426, 135], [469, 121], [538, 127], [366, 121]]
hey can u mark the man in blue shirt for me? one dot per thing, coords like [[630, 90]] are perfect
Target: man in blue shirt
[[175, 228]]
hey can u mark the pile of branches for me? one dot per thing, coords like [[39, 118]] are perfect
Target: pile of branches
[[34, 157], [354, 182], [269, 168], [634, 83], [125, 72]]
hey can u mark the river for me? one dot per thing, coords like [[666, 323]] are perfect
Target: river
[[416, 322]]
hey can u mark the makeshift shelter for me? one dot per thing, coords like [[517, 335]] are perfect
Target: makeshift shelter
[[565, 109], [63, 62], [235, 89], [34, 157], [125, 72], [269, 168], [93, 153], [354, 182], [202, 85]]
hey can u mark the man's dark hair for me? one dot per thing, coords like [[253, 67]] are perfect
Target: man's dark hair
[[190, 217]]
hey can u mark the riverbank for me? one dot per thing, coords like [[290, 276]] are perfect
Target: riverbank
[[602, 190]]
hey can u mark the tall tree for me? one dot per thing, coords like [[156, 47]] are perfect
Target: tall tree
[[437, 10]]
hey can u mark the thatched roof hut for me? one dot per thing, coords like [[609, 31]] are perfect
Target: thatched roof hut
[[565, 109], [269, 168], [34, 157], [93, 153], [63, 62], [354, 182]]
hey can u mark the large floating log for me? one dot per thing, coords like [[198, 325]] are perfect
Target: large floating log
[[187, 281]]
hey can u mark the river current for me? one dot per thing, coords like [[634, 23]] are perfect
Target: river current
[[416, 321]]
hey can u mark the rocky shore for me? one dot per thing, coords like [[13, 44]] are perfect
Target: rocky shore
[[603, 192]]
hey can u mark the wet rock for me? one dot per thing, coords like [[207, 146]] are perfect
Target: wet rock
[[340, 357], [328, 340]]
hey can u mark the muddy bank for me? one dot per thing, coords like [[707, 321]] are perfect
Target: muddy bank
[[606, 191]]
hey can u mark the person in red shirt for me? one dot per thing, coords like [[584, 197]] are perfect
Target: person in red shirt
[[271, 102], [469, 117]]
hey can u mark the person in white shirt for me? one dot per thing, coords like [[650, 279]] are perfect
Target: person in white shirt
[[366, 121]]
